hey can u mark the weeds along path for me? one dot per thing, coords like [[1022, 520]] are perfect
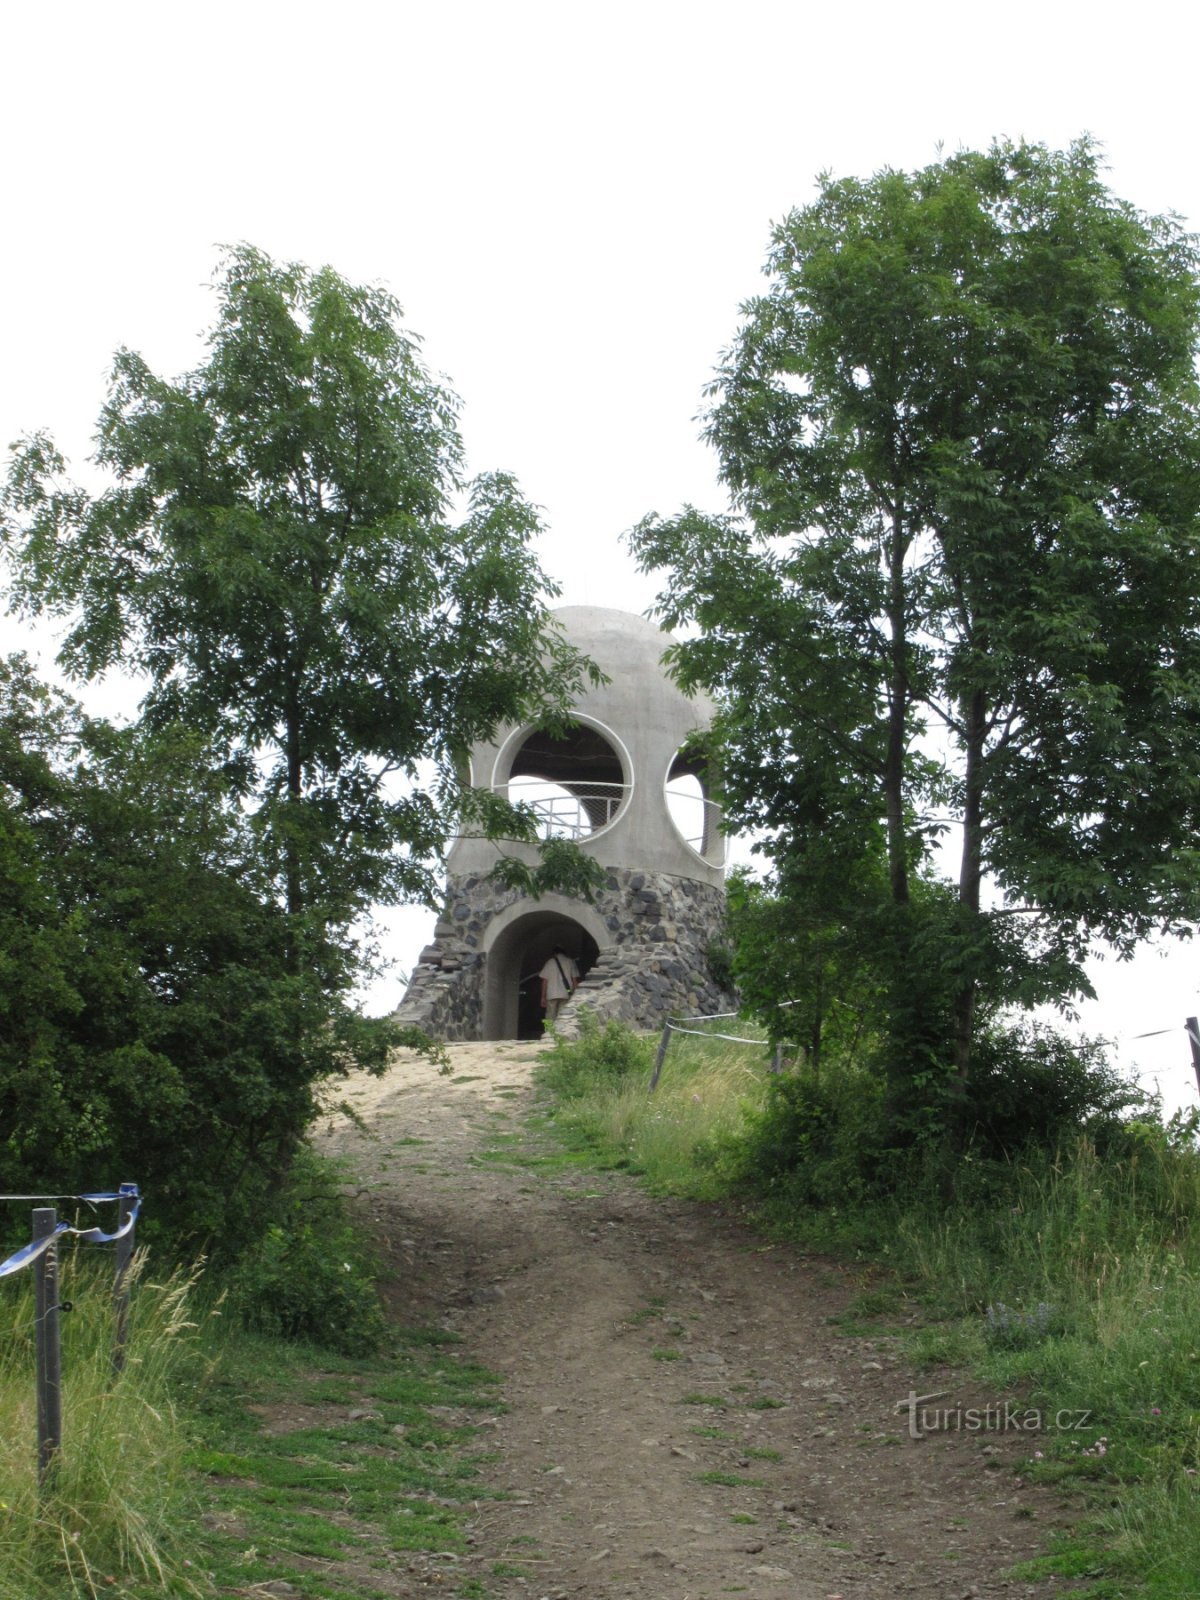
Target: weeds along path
[[684, 1420]]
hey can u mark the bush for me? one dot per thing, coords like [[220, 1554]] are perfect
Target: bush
[[599, 1058], [310, 1276], [1034, 1087], [816, 1141]]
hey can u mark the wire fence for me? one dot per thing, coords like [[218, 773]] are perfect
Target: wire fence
[[673, 1025], [41, 1256]]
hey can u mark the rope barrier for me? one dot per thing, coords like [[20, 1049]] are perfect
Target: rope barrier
[[29, 1253], [782, 1005], [702, 1033]]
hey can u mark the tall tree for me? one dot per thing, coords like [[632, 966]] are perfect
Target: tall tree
[[278, 552], [960, 431]]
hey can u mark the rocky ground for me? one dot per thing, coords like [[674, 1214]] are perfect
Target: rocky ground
[[683, 1418]]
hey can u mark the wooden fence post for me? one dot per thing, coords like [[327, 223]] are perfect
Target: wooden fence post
[[49, 1347], [1194, 1041], [660, 1057]]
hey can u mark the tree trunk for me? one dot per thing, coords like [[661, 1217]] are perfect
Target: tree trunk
[[292, 871], [970, 877], [898, 688]]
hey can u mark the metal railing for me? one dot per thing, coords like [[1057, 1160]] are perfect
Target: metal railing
[[698, 821], [566, 811]]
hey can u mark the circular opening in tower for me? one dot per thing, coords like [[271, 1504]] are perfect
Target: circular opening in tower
[[696, 816], [574, 783]]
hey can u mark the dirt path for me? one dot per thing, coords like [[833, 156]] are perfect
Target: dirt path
[[683, 1421]]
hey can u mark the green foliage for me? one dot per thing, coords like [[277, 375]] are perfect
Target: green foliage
[[162, 1035], [274, 552], [1032, 1086], [606, 1057], [808, 978], [815, 1142], [719, 960], [561, 867], [960, 430], [310, 1275]]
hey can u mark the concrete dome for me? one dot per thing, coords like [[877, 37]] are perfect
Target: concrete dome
[[632, 729]]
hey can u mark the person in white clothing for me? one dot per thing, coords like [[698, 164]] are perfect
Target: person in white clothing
[[559, 977]]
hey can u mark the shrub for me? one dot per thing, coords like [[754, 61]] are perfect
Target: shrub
[[1033, 1086], [816, 1141], [600, 1057], [310, 1276]]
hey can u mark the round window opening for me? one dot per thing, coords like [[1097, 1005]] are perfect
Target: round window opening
[[574, 783], [697, 819]]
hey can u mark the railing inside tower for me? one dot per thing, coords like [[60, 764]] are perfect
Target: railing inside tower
[[566, 813], [697, 818]]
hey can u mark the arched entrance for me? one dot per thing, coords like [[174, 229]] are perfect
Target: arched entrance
[[515, 957]]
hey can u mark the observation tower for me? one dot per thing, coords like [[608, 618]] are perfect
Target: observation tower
[[623, 783]]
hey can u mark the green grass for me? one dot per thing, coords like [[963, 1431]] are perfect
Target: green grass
[[222, 1459], [607, 1111], [1089, 1261], [110, 1508], [300, 1489]]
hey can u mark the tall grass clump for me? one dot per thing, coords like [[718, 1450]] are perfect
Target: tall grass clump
[[105, 1518], [1076, 1282], [603, 1103]]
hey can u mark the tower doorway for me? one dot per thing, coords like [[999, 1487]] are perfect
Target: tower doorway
[[512, 1007]]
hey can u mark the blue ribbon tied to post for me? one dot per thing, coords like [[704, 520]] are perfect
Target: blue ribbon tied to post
[[30, 1252]]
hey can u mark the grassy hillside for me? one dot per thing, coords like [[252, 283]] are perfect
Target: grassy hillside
[[1066, 1276]]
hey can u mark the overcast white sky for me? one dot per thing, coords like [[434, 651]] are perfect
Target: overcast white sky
[[570, 202]]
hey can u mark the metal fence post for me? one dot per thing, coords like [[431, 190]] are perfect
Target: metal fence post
[[49, 1348], [124, 1255]]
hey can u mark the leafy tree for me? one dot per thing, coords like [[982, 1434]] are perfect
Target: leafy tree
[[276, 552], [959, 590], [810, 979], [327, 616], [150, 1026]]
